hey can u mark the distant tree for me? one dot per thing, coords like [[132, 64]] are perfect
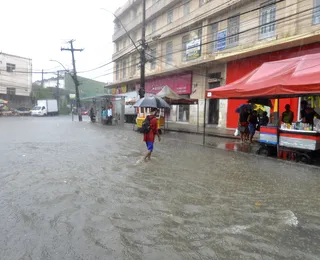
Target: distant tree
[[38, 92]]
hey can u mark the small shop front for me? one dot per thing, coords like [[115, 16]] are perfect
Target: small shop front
[[181, 84], [289, 78], [239, 68]]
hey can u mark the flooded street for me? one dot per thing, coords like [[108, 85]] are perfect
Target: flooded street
[[71, 190]]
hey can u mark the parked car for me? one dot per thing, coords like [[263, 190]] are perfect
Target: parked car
[[84, 112], [23, 111]]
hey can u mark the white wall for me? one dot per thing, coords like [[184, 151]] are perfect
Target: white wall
[[20, 78], [52, 83]]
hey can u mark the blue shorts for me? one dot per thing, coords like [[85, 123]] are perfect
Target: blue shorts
[[252, 129], [150, 146]]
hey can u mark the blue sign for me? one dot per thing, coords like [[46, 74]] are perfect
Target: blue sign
[[222, 40]]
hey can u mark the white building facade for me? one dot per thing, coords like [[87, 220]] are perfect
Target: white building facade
[[15, 78]]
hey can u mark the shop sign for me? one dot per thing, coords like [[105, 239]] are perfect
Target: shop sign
[[222, 40], [123, 89], [193, 49], [72, 96], [179, 83]]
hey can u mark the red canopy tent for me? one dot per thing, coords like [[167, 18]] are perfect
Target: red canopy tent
[[293, 77]]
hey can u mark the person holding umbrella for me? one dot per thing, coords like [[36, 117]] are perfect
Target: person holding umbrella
[[243, 123], [151, 125]]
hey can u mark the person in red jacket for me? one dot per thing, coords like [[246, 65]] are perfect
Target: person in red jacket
[[149, 137]]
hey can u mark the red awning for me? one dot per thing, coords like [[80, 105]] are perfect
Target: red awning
[[294, 77]]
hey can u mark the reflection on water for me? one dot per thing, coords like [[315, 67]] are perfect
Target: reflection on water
[[81, 194]]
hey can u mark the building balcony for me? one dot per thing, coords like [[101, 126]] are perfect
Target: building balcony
[[123, 52], [120, 11], [207, 10], [129, 27], [151, 12]]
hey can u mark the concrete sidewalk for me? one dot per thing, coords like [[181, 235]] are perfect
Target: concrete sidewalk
[[210, 130]]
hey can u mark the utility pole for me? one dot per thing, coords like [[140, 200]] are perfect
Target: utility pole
[[58, 90], [42, 80], [143, 51], [74, 77]]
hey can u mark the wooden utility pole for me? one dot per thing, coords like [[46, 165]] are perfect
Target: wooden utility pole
[[58, 90], [74, 77], [143, 51], [42, 79]]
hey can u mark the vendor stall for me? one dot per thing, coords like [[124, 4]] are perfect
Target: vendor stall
[[296, 77], [144, 107], [172, 98], [142, 113]]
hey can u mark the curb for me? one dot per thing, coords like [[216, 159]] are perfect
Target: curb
[[199, 133]]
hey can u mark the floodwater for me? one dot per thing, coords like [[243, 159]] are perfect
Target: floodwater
[[71, 190]]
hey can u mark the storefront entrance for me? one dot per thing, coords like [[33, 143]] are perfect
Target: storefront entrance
[[213, 115], [183, 113]]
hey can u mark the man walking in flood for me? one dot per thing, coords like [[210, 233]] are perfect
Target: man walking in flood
[[151, 125]]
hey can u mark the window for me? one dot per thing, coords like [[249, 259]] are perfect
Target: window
[[134, 36], [169, 48], [191, 44], [170, 16], [186, 8], [134, 12], [117, 46], [124, 42], [153, 58], [11, 92], [11, 67], [117, 26], [124, 69], [316, 12], [154, 26], [214, 31], [267, 21], [117, 71], [133, 65], [233, 31]]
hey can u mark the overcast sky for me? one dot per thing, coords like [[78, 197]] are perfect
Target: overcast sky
[[37, 29]]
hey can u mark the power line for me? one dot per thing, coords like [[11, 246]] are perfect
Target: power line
[[243, 22], [229, 17], [185, 69], [197, 28], [30, 72], [203, 15], [279, 21]]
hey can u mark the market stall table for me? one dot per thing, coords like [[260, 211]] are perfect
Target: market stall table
[[294, 77]]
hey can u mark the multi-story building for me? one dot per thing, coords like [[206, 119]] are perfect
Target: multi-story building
[[15, 79], [194, 45]]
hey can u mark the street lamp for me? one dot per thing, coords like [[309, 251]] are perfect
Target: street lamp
[[61, 65]]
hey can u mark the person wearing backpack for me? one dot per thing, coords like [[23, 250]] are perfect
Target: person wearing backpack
[[150, 130]]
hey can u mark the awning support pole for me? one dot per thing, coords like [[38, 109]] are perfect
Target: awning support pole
[[198, 116], [204, 121], [278, 128]]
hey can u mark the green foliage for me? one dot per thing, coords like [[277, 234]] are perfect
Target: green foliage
[[39, 92], [64, 110]]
